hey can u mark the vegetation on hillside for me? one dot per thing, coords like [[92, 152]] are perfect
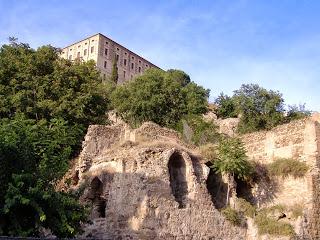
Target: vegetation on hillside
[[284, 167], [257, 107]]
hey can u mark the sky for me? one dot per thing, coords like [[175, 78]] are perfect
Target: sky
[[221, 44]]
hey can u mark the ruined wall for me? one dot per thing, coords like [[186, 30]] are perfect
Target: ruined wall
[[298, 140], [138, 191]]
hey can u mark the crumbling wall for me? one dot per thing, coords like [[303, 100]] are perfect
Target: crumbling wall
[[148, 192], [298, 140]]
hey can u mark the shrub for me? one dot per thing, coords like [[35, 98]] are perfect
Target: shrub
[[286, 166], [245, 207], [232, 215], [196, 130], [267, 225]]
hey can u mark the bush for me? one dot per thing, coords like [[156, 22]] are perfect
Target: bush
[[232, 215], [267, 225], [286, 166], [198, 131], [259, 108], [208, 151], [245, 207]]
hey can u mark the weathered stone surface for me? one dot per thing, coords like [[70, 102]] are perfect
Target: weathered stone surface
[[150, 188], [148, 184]]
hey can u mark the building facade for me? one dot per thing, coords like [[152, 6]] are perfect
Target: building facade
[[103, 51]]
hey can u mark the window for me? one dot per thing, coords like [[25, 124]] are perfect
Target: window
[[92, 49], [139, 69], [125, 53], [78, 55], [70, 57], [105, 64], [106, 42], [132, 58], [125, 62], [85, 44], [92, 40], [117, 49], [79, 46], [117, 57], [85, 52], [124, 74], [106, 51], [146, 65], [70, 49], [132, 65], [139, 61], [63, 52]]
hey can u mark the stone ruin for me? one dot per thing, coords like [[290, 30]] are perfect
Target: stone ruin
[[146, 183]]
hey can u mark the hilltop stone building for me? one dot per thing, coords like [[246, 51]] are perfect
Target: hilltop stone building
[[103, 50]]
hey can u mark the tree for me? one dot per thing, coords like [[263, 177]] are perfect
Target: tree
[[114, 73], [46, 103], [159, 97], [232, 160], [226, 106]]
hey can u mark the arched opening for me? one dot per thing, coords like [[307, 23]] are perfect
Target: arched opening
[[178, 183], [217, 189], [98, 202]]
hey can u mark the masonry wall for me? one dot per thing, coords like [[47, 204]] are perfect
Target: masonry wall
[[299, 140]]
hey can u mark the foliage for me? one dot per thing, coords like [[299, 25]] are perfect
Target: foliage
[[232, 215], [258, 108], [46, 103], [232, 159], [245, 207], [114, 73], [208, 151], [42, 86], [200, 131], [297, 112], [267, 225], [287, 166], [160, 97], [226, 106]]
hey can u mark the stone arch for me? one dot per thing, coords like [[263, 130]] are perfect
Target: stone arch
[[178, 182], [96, 197]]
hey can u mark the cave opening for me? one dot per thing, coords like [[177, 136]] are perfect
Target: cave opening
[[178, 182], [98, 202]]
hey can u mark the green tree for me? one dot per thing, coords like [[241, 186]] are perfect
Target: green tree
[[232, 160], [157, 96], [114, 73], [46, 103], [226, 106]]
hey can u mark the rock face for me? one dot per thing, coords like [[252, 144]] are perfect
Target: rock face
[[146, 184]]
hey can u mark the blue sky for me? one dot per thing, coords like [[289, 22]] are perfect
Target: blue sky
[[219, 43]]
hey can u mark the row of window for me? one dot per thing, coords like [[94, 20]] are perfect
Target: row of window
[[132, 65], [84, 53]]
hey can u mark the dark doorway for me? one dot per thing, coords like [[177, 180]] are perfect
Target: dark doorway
[[178, 183]]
